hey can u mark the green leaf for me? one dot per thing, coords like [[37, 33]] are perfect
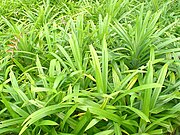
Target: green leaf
[[8, 106], [8, 130], [11, 122], [47, 122], [97, 69], [82, 124], [138, 112], [41, 113], [66, 55], [106, 132], [175, 108], [157, 90], [117, 129], [104, 65], [68, 114], [137, 89], [15, 86], [92, 123], [41, 72], [103, 113], [76, 50]]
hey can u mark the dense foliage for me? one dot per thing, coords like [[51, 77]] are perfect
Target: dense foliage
[[89, 67]]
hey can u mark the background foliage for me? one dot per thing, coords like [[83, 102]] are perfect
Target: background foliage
[[103, 67]]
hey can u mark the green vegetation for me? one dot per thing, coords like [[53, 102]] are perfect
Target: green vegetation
[[89, 67]]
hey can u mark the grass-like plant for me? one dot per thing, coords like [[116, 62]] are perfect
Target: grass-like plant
[[104, 67]]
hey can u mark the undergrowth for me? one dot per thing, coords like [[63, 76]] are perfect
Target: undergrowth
[[104, 67]]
